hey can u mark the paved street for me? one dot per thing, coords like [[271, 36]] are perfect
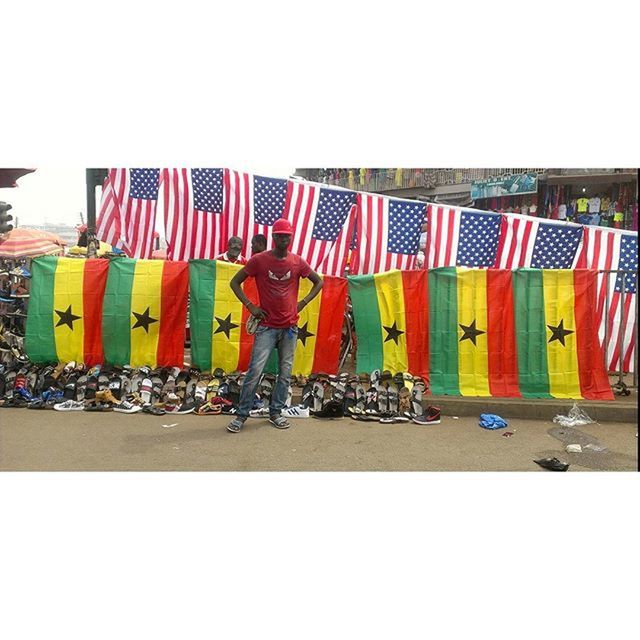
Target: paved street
[[53, 441]]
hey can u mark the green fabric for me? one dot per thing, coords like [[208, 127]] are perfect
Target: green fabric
[[531, 333], [366, 316], [202, 284], [40, 343], [443, 331], [116, 312]]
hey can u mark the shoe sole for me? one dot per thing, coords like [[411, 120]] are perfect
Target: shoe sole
[[426, 421], [273, 424]]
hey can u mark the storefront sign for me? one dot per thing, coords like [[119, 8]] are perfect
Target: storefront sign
[[509, 185]]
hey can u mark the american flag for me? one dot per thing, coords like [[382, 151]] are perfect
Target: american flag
[[194, 222], [318, 216], [456, 237], [388, 234], [336, 261], [127, 215], [613, 250], [529, 242], [251, 205]]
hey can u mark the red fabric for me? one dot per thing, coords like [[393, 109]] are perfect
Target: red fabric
[[93, 286], [326, 356], [173, 314], [246, 340], [416, 310], [277, 282], [594, 383], [501, 336]]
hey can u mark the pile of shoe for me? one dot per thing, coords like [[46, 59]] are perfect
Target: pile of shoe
[[14, 297], [378, 397]]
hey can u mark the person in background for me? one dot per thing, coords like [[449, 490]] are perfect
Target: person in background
[[258, 244], [277, 273], [233, 252]]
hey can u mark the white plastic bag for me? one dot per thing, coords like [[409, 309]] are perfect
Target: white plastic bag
[[576, 418]]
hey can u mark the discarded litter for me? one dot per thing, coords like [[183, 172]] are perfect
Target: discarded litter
[[168, 426], [595, 447], [576, 417], [455, 417], [573, 448], [508, 434], [491, 421], [553, 464]]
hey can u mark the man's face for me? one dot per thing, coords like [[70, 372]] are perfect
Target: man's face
[[233, 250], [257, 247], [281, 240]]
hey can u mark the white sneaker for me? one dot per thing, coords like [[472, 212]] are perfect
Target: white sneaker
[[259, 413], [127, 407], [297, 411], [69, 405]]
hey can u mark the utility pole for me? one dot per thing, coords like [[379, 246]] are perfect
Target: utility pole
[[94, 177]]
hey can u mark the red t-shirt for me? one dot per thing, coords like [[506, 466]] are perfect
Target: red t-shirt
[[277, 282]]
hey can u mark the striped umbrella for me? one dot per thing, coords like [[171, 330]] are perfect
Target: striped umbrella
[[29, 243]]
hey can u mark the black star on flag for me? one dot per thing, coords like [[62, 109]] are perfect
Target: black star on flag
[[304, 333], [559, 332], [143, 320], [225, 326], [470, 332], [393, 333], [66, 317]]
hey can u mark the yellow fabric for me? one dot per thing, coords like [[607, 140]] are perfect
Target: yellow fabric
[[68, 290], [390, 293], [583, 203], [146, 293], [473, 359], [559, 304], [303, 357], [618, 216], [398, 177], [225, 351], [82, 251], [362, 177], [352, 179]]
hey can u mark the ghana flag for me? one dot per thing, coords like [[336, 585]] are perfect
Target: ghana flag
[[559, 354], [145, 312], [217, 320], [471, 328], [391, 317], [65, 306]]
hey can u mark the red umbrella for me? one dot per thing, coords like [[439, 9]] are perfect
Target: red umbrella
[[29, 243], [8, 177]]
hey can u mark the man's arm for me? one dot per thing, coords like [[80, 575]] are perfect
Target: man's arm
[[236, 287], [315, 290]]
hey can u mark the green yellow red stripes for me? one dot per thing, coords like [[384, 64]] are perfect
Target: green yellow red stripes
[[144, 317], [558, 351], [217, 317], [531, 333], [65, 308], [501, 336], [443, 331], [391, 323]]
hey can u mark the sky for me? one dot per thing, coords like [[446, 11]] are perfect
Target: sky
[[58, 195]]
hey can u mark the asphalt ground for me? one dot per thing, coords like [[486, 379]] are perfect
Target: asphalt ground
[[57, 441]]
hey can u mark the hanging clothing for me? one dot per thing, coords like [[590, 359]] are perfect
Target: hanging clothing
[[352, 179], [398, 177], [362, 176]]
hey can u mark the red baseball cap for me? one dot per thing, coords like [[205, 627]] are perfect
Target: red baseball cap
[[282, 226]]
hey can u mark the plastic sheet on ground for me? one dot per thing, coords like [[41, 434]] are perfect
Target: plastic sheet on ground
[[576, 418]]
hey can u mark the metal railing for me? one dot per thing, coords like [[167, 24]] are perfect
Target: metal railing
[[376, 180]]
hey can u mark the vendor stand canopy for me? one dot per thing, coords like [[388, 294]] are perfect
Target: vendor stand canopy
[[30, 243]]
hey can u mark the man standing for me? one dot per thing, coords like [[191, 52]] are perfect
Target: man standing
[[234, 247], [258, 244], [277, 273]]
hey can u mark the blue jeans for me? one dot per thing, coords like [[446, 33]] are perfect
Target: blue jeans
[[265, 341]]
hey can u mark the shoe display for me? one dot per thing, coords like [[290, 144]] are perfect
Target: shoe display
[[127, 407], [69, 405]]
